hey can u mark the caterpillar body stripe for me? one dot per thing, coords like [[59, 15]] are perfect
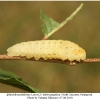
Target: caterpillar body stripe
[[48, 49]]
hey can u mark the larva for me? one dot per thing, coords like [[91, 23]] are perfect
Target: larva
[[48, 49]]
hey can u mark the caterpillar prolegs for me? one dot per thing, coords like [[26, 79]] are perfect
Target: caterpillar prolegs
[[48, 49]]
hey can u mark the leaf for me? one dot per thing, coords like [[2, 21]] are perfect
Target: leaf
[[51, 26], [49, 23], [11, 79]]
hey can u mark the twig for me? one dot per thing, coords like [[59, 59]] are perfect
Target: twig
[[64, 22], [92, 60], [88, 60]]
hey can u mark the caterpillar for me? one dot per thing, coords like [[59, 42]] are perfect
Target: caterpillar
[[48, 49]]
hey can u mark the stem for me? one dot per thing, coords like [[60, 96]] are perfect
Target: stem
[[92, 60], [64, 22], [88, 60]]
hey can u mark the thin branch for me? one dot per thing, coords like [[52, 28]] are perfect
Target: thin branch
[[64, 22], [88, 60], [92, 60]]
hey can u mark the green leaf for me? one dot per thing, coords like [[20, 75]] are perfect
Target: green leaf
[[11, 79], [49, 23], [51, 26]]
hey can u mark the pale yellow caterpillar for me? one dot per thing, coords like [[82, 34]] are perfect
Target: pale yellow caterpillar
[[48, 49]]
